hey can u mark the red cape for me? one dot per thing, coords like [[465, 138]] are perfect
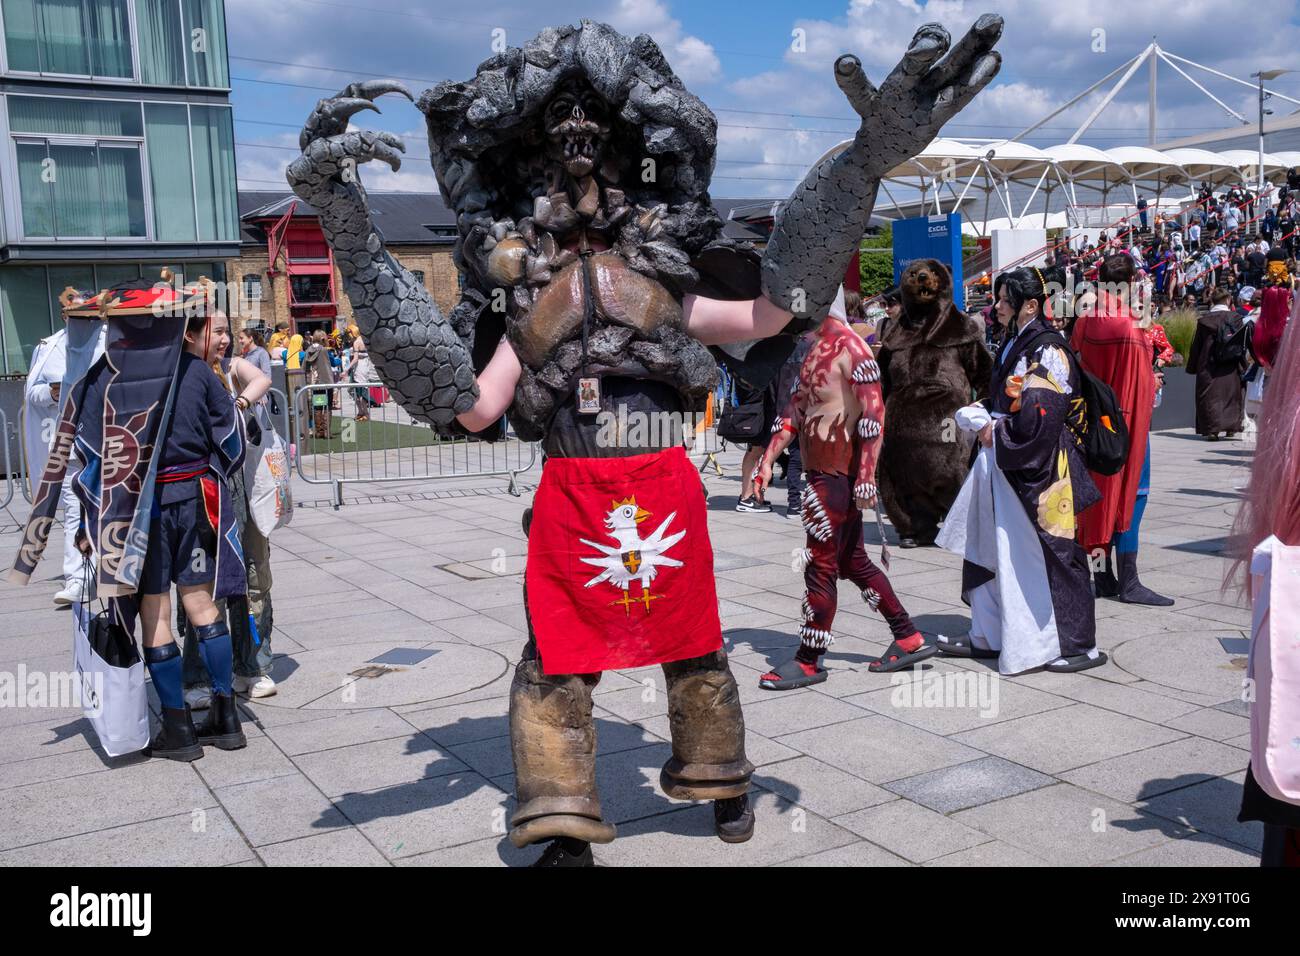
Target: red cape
[[1113, 348]]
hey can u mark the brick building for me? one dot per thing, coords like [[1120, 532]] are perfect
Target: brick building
[[303, 286]]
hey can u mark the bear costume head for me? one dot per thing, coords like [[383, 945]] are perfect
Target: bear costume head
[[926, 289]]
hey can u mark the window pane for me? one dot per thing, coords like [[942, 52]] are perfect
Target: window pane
[[214, 172], [162, 55], [64, 46], [25, 311], [108, 276], [205, 42], [63, 115], [21, 40], [81, 278], [123, 191], [110, 30], [310, 289], [77, 207], [168, 137], [36, 193]]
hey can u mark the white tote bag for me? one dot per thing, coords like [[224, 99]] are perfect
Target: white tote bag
[[266, 474], [111, 682]]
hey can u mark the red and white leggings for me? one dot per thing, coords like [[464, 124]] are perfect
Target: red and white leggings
[[835, 550]]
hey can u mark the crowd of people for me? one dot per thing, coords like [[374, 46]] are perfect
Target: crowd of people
[[1045, 514]]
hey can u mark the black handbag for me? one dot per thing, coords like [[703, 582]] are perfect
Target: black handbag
[[744, 423]]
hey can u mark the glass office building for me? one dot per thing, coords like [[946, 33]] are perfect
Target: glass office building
[[117, 153]]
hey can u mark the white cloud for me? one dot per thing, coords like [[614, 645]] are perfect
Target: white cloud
[[691, 58]]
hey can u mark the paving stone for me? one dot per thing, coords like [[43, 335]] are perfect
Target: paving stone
[[879, 749], [184, 839], [1211, 722], [1067, 737], [857, 854], [424, 815], [1067, 826], [354, 727], [136, 792], [947, 700], [1210, 807], [823, 789], [59, 767], [797, 710], [363, 767], [993, 853], [1195, 850], [333, 848], [260, 760], [281, 808], [1156, 770], [910, 830], [1142, 700], [971, 784], [686, 837]]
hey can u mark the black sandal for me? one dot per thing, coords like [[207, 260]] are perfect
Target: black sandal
[[791, 676], [897, 659], [962, 647], [1079, 662]]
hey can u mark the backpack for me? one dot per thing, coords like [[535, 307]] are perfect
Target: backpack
[[1229, 346], [1098, 425]]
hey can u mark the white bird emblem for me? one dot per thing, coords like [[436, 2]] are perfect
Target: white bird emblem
[[632, 558]]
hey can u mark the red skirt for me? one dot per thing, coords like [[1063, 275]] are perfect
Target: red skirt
[[620, 568]]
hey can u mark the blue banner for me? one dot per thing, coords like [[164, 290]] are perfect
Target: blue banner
[[931, 237]]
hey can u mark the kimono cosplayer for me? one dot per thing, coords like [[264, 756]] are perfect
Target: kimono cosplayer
[[1025, 578]]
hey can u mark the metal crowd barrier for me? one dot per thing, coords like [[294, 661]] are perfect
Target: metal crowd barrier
[[386, 445], [9, 470]]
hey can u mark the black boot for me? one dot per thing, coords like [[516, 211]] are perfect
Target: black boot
[[1104, 582], [1131, 590], [566, 851], [176, 738], [220, 728], [733, 819]]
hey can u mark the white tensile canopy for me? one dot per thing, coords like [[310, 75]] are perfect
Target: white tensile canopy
[[947, 170]]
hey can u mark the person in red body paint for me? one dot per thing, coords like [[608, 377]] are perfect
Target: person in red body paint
[[837, 413]]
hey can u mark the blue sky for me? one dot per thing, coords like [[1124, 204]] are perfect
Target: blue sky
[[777, 110]]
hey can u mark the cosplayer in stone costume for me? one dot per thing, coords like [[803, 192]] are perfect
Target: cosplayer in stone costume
[[578, 166], [836, 413], [932, 362]]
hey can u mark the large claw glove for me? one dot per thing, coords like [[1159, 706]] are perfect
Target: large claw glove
[[825, 218], [417, 353]]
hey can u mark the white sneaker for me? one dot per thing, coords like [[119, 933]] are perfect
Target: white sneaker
[[255, 686], [74, 592], [198, 698]]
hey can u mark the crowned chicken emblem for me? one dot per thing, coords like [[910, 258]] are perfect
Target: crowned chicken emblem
[[632, 558]]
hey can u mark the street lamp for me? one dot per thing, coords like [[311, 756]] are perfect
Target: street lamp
[[1263, 75]]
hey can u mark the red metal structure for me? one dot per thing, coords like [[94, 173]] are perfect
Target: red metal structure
[[297, 250]]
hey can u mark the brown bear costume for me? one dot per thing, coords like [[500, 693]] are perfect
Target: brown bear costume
[[932, 362]]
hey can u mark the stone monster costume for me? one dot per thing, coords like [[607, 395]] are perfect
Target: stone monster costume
[[578, 167]]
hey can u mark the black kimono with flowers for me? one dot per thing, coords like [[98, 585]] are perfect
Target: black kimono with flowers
[[1036, 385]]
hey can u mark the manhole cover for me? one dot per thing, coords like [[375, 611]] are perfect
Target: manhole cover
[[1184, 660]]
